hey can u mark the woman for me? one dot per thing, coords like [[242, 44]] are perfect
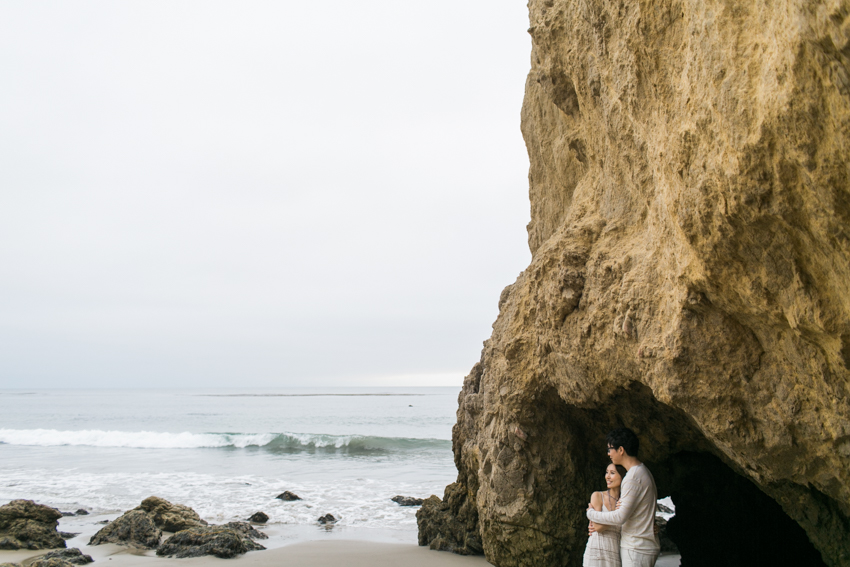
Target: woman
[[603, 547]]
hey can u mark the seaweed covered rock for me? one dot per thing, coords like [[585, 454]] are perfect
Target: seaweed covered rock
[[288, 496], [135, 528], [207, 540], [27, 525], [245, 529], [170, 517], [407, 500], [50, 562], [450, 524], [71, 555]]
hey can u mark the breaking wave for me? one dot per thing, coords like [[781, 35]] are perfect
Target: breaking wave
[[274, 442]]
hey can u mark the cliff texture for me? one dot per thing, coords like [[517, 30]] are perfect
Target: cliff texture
[[690, 279]]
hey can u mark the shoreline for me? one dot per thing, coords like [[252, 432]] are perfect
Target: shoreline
[[353, 553]]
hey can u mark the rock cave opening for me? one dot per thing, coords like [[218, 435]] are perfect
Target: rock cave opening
[[721, 517]]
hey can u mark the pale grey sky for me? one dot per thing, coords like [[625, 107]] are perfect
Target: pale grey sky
[[206, 193]]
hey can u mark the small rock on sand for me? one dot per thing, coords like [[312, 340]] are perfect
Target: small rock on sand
[[72, 555], [327, 519], [207, 540]]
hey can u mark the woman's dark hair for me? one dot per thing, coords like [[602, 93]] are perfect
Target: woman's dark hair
[[621, 470], [625, 438]]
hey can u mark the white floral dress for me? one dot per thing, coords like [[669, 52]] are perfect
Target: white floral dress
[[603, 548]]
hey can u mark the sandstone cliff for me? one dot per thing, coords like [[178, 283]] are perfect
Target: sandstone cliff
[[690, 279]]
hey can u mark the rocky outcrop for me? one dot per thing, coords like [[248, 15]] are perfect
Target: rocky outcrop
[[72, 555], [244, 529], [259, 517], [407, 500], [50, 562], [450, 524], [27, 525], [135, 528], [170, 517], [207, 540], [143, 526], [690, 236]]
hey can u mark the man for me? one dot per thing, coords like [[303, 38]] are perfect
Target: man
[[639, 546]]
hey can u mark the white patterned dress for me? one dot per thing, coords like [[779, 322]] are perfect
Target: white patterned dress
[[603, 548]]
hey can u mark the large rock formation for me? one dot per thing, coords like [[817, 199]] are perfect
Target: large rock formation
[[220, 541], [135, 528], [143, 525], [690, 279], [27, 525], [170, 517]]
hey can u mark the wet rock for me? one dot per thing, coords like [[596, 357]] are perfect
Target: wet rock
[[68, 535], [667, 544], [72, 555], [327, 519], [170, 517], [135, 528], [245, 529], [27, 525], [207, 540], [259, 517], [663, 509], [9, 565], [80, 512], [407, 501], [50, 562], [450, 524], [288, 496]]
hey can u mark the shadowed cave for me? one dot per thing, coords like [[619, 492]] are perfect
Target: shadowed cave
[[722, 518]]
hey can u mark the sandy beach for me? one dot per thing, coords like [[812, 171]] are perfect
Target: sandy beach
[[307, 554]]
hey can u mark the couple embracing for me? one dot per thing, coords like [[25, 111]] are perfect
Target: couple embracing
[[622, 519]]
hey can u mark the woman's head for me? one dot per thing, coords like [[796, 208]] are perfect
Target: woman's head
[[614, 475]]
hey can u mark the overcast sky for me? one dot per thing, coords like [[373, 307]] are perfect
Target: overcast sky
[[255, 193]]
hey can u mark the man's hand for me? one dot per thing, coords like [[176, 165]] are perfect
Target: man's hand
[[591, 528]]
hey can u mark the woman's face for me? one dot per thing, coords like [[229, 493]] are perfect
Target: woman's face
[[612, 477]]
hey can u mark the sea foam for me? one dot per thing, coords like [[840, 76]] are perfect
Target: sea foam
[[278, 442]]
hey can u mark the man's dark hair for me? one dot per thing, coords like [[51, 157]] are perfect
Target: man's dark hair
[[625, 438]]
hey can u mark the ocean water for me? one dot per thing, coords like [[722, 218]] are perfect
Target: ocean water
[[228, 453]]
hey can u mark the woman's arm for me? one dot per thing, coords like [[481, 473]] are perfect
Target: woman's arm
[[595, 504]]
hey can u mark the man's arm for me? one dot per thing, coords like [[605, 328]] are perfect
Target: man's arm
[[628, 500]]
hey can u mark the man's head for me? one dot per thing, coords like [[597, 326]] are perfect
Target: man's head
[[622, 442]]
